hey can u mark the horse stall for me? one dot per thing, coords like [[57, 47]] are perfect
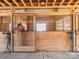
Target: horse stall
[[42, 33], [5, 29], [53, 33], [24, 34]]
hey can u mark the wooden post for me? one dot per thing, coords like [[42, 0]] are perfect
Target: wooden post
[[12, 38], [34, 24], [74, 29]]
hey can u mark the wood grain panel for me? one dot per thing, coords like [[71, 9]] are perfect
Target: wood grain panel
[[52, 41], [24, 41]]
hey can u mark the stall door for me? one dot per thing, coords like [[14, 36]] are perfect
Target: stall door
[[53, 33], [5, 30], [23, 33]]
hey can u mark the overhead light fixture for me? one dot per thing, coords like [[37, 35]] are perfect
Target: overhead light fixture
[[42, 3]]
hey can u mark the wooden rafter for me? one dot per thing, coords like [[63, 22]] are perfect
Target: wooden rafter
[[62, 2], [69, 2], [41, 7], [8, 3], [54, 2], [15, 2], [77, 2], [46, 2], [2, 4], [23, 3], [38, 2], [31, 3]]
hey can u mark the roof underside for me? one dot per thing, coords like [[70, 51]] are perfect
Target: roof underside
[[38, 3]]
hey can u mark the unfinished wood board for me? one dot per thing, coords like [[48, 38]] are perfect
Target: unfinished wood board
[[3, 43], [24, 41], [52, 41], [77, 41], [4, 27]]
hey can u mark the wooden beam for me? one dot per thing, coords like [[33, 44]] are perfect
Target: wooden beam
[[13, 10], [43, 7], [31, 3], [15, 2], [23, 3], [40, 7], [38, 2], [8, 3], [62, 2], [54, 13], [76, 2], [46, 2], [49, 13], [69, 2], [4, 14], [54, 2], [2, 4]]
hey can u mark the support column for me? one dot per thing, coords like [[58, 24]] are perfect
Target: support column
[[74, 29], [12, 38]]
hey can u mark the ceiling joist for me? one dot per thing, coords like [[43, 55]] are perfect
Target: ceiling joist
[[62, 2], [23, 3], [54, 2], [36, 7], [38, 2], [46, 2], [2, 4], [77, 2], [31, 3], [69, 2], [8, 3], [15, 2]]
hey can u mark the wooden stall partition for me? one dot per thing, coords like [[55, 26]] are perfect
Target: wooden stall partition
[[4, 29], [3, 45], [24, 41], [43, 33], [53, 41], [24, 35], [77, 41], [52, 33]]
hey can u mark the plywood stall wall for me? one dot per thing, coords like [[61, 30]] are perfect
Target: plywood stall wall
[[3, 43], [77, 42], [52, 41], [4, 27], [49, 40], [24, 41], [45, 41], [4, 24]]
